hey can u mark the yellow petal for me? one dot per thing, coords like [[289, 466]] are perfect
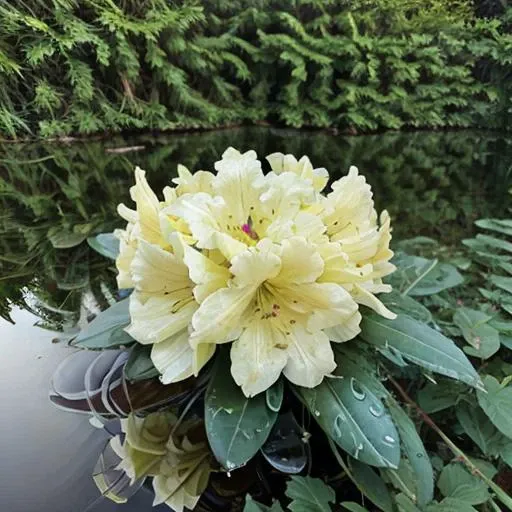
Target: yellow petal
[[256, 363], [173, 358], [310, 358]]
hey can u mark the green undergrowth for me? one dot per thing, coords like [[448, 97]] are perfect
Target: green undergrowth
[[78, 67]]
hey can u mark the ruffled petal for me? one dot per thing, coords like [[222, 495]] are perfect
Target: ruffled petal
[[173, 358]]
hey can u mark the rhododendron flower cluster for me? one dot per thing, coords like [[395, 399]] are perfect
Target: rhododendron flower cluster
[[272, 264]]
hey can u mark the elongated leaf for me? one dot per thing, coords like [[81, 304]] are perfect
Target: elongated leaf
[[371, 485], [309, 494], [106, 244], [420, 344], [497, 404], [505, 283], [457, 482], [355, 419], [406, 305], [237, 426], [450, 505], [497, 225], [479, 428], [352, 506], [404, 504], [139, 365], [495, 243], [415, 452], [107, 329]]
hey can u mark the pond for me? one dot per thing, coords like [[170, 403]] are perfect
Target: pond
[[54, 196]]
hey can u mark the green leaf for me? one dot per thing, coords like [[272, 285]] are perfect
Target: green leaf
[[107, 329], [106, 244], [406, 305], [355, 419], [497, 404], [504, 283], [237, 426], [455, 481], [351, 506], [413, 448], [495, 243], [60, 238], [450, 505], [420, 344], [371, 485], [506, 453], [478, 427], [418, 276], [483, 338], [139, 365], [437, 397], [405, 504], [497, 225], [309, 494], [254, 506]]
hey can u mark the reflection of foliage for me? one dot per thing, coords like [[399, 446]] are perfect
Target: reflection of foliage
[[91, 66], [56, 196]]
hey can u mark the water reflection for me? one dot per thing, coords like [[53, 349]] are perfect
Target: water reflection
[[53, 197]]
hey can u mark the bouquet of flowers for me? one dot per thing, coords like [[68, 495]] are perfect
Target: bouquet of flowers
[[248, 298]]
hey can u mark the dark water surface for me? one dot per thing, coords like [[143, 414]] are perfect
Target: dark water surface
[[433, 184]]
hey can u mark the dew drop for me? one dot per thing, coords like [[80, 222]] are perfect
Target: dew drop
[[357, 390], [390, 441], [419, 455], [228, 474], [317, 413], [359, 449], [338, 424], [376, 411]]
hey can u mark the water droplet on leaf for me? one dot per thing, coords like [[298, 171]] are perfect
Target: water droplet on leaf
[[357, 390]]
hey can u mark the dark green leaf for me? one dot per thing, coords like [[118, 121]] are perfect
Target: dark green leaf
[[106, 244], [505, 283], [352, 416], [351, 506], [107, 329], [309, 494], [139, 365], [478, 427], [437, 397], [457, 482], [371, 485], [254, 506], [450, 505], [237, 426], [405, 504], [497, 404], [285, 449], [497, 225], [420, 344], [415, 451]]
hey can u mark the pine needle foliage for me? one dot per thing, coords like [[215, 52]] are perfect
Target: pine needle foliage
[[76, 67]]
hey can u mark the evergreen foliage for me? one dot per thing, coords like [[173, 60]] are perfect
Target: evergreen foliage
[[73, 67]]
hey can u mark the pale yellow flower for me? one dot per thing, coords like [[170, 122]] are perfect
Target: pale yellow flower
[[265, 262], [154, 447], [274, 311], [304, 168]]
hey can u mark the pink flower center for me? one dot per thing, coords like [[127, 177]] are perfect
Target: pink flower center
[[247, 229]]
